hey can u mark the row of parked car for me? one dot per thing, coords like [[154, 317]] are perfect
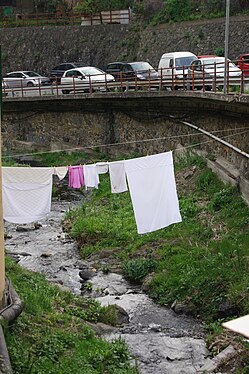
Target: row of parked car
[[176, 67]]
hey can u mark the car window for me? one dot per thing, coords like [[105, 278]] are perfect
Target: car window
[[14, 75], [31, 74], [112, 67], [69, 66], [140, 66], [183, 61], [72, 73], [64, 67], [245, 59], [90, 70], [126, 68], [196, 65]]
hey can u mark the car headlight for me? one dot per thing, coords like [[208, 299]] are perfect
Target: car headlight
[[140, 76]]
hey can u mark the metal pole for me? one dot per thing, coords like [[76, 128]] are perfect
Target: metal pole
[[226, 43], [2, 257]]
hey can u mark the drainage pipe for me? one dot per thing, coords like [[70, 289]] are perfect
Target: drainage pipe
[[229, 145], [9, 313], [5, 365]]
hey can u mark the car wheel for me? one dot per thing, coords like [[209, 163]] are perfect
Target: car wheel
[[208, 88], [65, 92], [30, 84]]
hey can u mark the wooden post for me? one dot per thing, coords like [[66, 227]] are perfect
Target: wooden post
[[2, 257]]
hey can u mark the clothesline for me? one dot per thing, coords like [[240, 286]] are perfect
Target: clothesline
[[133, 142], [27, 192]]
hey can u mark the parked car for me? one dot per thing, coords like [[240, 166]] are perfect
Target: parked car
[[85, 79], [57, 72], [115, 69], [243, 63], [25, 79], [212, 70], [132, 74], [173, 68]]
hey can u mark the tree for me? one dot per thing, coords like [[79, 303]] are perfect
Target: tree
[[95, 6], [49, 6]]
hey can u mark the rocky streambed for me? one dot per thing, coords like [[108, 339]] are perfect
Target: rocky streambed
[[160, 340]]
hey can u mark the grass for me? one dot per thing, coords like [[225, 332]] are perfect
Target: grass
[[52, 336], [202, 261]]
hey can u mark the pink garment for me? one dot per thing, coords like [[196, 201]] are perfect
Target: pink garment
[[76, 176]]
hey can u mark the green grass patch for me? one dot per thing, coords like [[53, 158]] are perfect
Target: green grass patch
[[52, 336]]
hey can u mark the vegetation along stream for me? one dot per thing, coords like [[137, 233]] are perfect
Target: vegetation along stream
[[89, 247]]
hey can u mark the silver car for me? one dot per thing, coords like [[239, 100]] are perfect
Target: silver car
[[210, 70], [25, 79], [85, 79]]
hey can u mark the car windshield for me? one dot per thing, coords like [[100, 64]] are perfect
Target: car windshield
[[218, 62], [140, 66], [31, 74], [89, 70], [184, 61]]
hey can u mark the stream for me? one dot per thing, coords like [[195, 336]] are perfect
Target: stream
[[161, 341]]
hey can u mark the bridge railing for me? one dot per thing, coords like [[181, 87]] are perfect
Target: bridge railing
[[187, 79]]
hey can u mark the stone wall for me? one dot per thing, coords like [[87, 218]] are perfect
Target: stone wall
[[41, 48], [30, 131]]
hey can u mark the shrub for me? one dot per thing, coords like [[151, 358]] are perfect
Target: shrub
[[135, 270]]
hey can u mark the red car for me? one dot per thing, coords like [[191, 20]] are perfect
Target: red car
[[243, 63]]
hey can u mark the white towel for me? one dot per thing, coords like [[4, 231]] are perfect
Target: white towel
[[102, 167], [27, 193], [91, 176], [152, 187], [117, 177], [60, 171]]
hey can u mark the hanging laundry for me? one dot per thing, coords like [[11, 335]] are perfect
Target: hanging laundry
[[102, 167], [152, 187], [76, 176], [60, 171], [27, 193], [117, 177], [91, 176]]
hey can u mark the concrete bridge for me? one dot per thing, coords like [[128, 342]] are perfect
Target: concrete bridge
[[157, 101]]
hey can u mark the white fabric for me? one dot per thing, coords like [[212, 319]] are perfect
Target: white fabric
[[91, 176], [60, 171], [152, 187], [240, 325], [27, 193], [117, 177], [102, 167]]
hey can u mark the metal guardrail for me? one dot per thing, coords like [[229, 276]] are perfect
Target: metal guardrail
[[187, 81]]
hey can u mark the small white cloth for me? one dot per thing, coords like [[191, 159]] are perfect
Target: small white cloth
[[152, 187], [117, 177], [239, 325], [91, 176], [60, 171], [27, 193], [102, 167]]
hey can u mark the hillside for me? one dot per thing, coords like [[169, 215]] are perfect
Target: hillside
[[41, 48]]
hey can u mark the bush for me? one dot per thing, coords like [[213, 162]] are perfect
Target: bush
[[135, 270]]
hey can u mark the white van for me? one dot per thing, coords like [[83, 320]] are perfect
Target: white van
[[173, 68]]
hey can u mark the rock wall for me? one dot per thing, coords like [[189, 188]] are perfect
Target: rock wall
[[41, 48]]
